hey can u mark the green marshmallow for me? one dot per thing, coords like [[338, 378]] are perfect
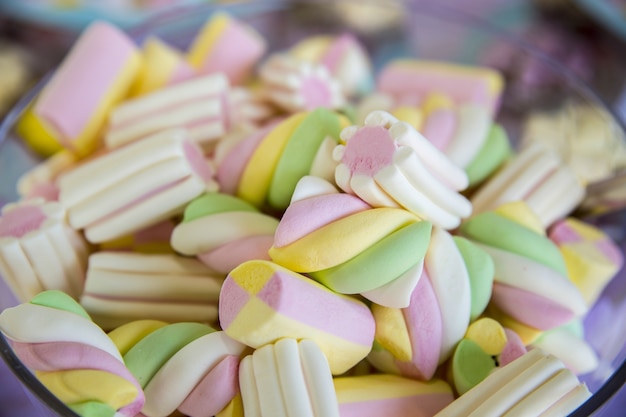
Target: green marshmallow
[[299, 153], [60, 301], [212, 203], [381, 263], [152, 352], [92, 409], [470, 365], [481, 271], [499, 232], [494, 152]]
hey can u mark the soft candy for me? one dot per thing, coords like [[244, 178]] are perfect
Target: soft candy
[[198, 105], [123, 287], [534, 384], [537, 176], [388, 163], [40, 181], [262, 302], [224, 231], [226, 45], [287, 379], [350, 247], [72, 356], [591, 257], [413, 341], [94, 76], [389, 395], [39, 250], [194, 355], [411, 81], [297, 85], [343, 56], [135, 186], [531, 282], [163, 65], [300, 145]]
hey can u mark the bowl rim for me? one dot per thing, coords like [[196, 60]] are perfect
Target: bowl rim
[[245, 9]]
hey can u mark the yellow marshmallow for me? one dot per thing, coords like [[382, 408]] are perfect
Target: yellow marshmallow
[[488, 334], [392, 333], [81, 385]]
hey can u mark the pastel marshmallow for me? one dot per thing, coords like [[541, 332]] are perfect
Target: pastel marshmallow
[[163, 65], [297, 85], [388, 163], [287, 378], [91, 80], [224, 231], [122, 287], [135, 186], [177, 363], [412, 80], [39, 250], [198, 105], [343, 56], [533, 384], [262, 302], [71, 355], [226, 45], [537, 176], [390, 395]]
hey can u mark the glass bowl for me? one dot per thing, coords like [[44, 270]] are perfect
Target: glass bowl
[[411, 29]]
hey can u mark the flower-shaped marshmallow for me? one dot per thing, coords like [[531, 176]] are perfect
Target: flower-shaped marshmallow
[[388, 163], [297, 85]]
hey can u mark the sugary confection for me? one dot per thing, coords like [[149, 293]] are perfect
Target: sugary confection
[[350, 247], [299, 145], [71, 356], [135, 186], [531, 283], [298, 85], [390, 395], [162, 65], [591, 257], [367, 247], [411, 81], [39, 250], [227, 45], [151, 239], [198, 105], [123, 286], [388, 163], [415, 340], [262, 302], [465, 133], [536, 384], [568, 343], [343, 56], [40, 181], [537, 176], [184, 366], [288, 378], [95, 75], [224, 231], [474, 356]]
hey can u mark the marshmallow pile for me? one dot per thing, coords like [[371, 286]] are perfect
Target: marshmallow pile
[[235, 231]]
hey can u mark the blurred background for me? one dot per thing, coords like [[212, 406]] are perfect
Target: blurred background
[[587, 36]]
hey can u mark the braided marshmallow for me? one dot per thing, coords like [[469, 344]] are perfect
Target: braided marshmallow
[[186, 366], [39, 250], [297, 85], [388, 163], [53, 336], [287, 379]]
